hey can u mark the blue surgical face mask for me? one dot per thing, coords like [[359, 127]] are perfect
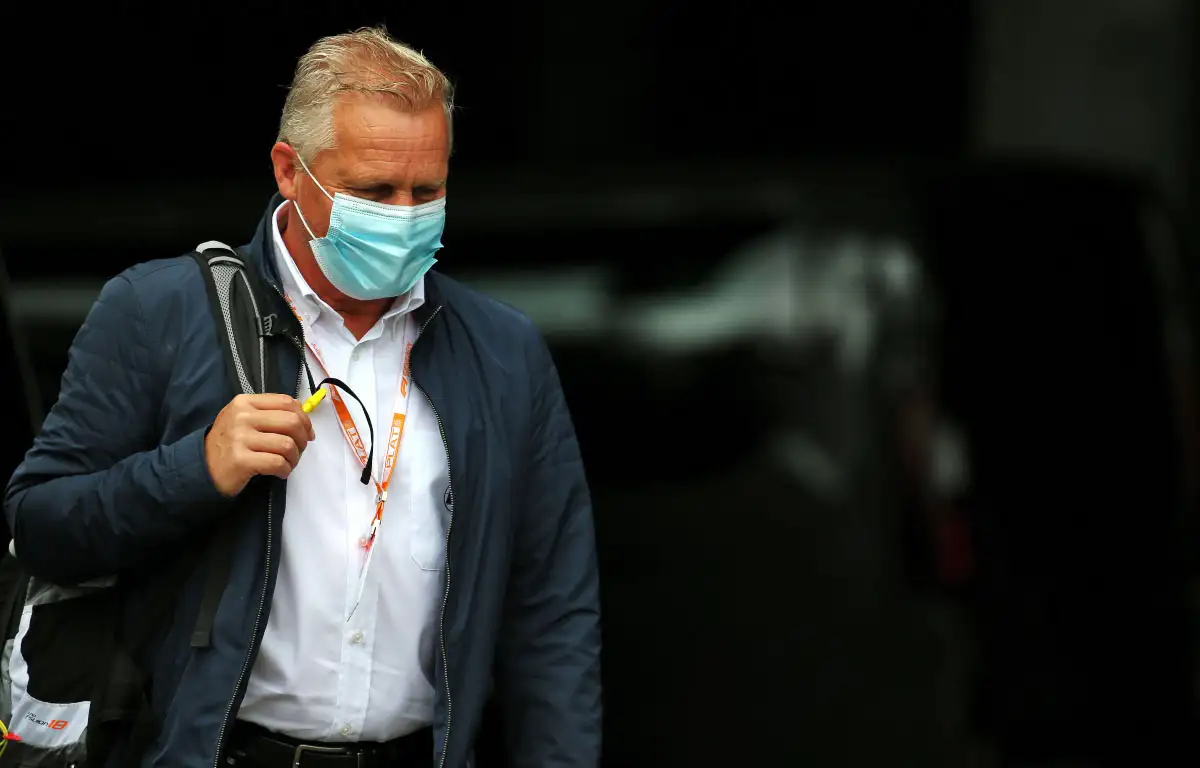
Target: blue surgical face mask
[[374, 250]]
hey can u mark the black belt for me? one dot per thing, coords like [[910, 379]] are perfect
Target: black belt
[[254, 746]]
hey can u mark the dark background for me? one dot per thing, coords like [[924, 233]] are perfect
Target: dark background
[[794, 571]]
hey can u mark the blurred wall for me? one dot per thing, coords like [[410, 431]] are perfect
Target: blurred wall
[[1102, 81]]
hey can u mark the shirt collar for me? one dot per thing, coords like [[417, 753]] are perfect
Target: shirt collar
[[307, 302]]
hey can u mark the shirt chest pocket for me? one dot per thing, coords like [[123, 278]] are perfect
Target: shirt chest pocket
[[427, 529], [430, 505]]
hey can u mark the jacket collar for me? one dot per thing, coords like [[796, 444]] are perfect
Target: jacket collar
[[258, 252]]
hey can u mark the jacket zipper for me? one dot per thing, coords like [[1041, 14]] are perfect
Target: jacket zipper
[[257, 622], [449, 526], [262, 602]]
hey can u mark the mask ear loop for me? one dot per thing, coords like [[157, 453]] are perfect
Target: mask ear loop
[[313, 385], [310, 175], [297, 201]]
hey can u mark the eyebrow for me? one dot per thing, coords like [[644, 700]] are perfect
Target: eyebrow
[[372, 183]]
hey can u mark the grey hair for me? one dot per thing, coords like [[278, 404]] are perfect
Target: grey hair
[[366, 61]]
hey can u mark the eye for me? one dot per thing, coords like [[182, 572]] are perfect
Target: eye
[[374, 192], [426, 192]]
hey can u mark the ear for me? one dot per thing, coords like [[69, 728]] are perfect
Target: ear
[[283, 159]]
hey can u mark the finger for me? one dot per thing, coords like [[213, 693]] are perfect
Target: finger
[[272, 401], [297, 407], [281, 423], [268, 464], [305, 419], [269, 442]]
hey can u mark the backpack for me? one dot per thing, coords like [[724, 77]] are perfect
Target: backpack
[[69, 689]]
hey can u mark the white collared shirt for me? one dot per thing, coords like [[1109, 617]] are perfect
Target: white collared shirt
[[319, 677]]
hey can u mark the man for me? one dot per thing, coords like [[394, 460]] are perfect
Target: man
[[475, 515]]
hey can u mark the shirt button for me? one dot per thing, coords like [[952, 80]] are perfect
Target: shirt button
[[347, 730], [357, 637]]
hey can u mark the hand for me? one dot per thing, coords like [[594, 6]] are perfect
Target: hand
[[256, 435]]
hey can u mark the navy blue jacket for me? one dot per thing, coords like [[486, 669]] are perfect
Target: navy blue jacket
[[117, 482]]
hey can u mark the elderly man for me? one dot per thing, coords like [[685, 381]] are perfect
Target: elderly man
[[482, 569]]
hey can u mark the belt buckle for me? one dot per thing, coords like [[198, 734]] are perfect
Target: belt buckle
[[298, 755]]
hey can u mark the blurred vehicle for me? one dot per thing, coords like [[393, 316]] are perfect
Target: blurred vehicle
[[1067, 357]]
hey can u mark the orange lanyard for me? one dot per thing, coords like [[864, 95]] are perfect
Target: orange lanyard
[[354, 437]]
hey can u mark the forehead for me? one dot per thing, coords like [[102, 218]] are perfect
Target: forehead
[[376, 137]]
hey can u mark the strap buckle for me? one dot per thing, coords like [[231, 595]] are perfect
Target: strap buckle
[[298, 755]]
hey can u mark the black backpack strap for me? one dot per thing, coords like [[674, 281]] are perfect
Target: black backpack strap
[[236, 298], [125, 696], [15, 586]]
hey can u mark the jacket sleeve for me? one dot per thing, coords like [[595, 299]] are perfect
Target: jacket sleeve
[[548, 663], [97, 492]]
